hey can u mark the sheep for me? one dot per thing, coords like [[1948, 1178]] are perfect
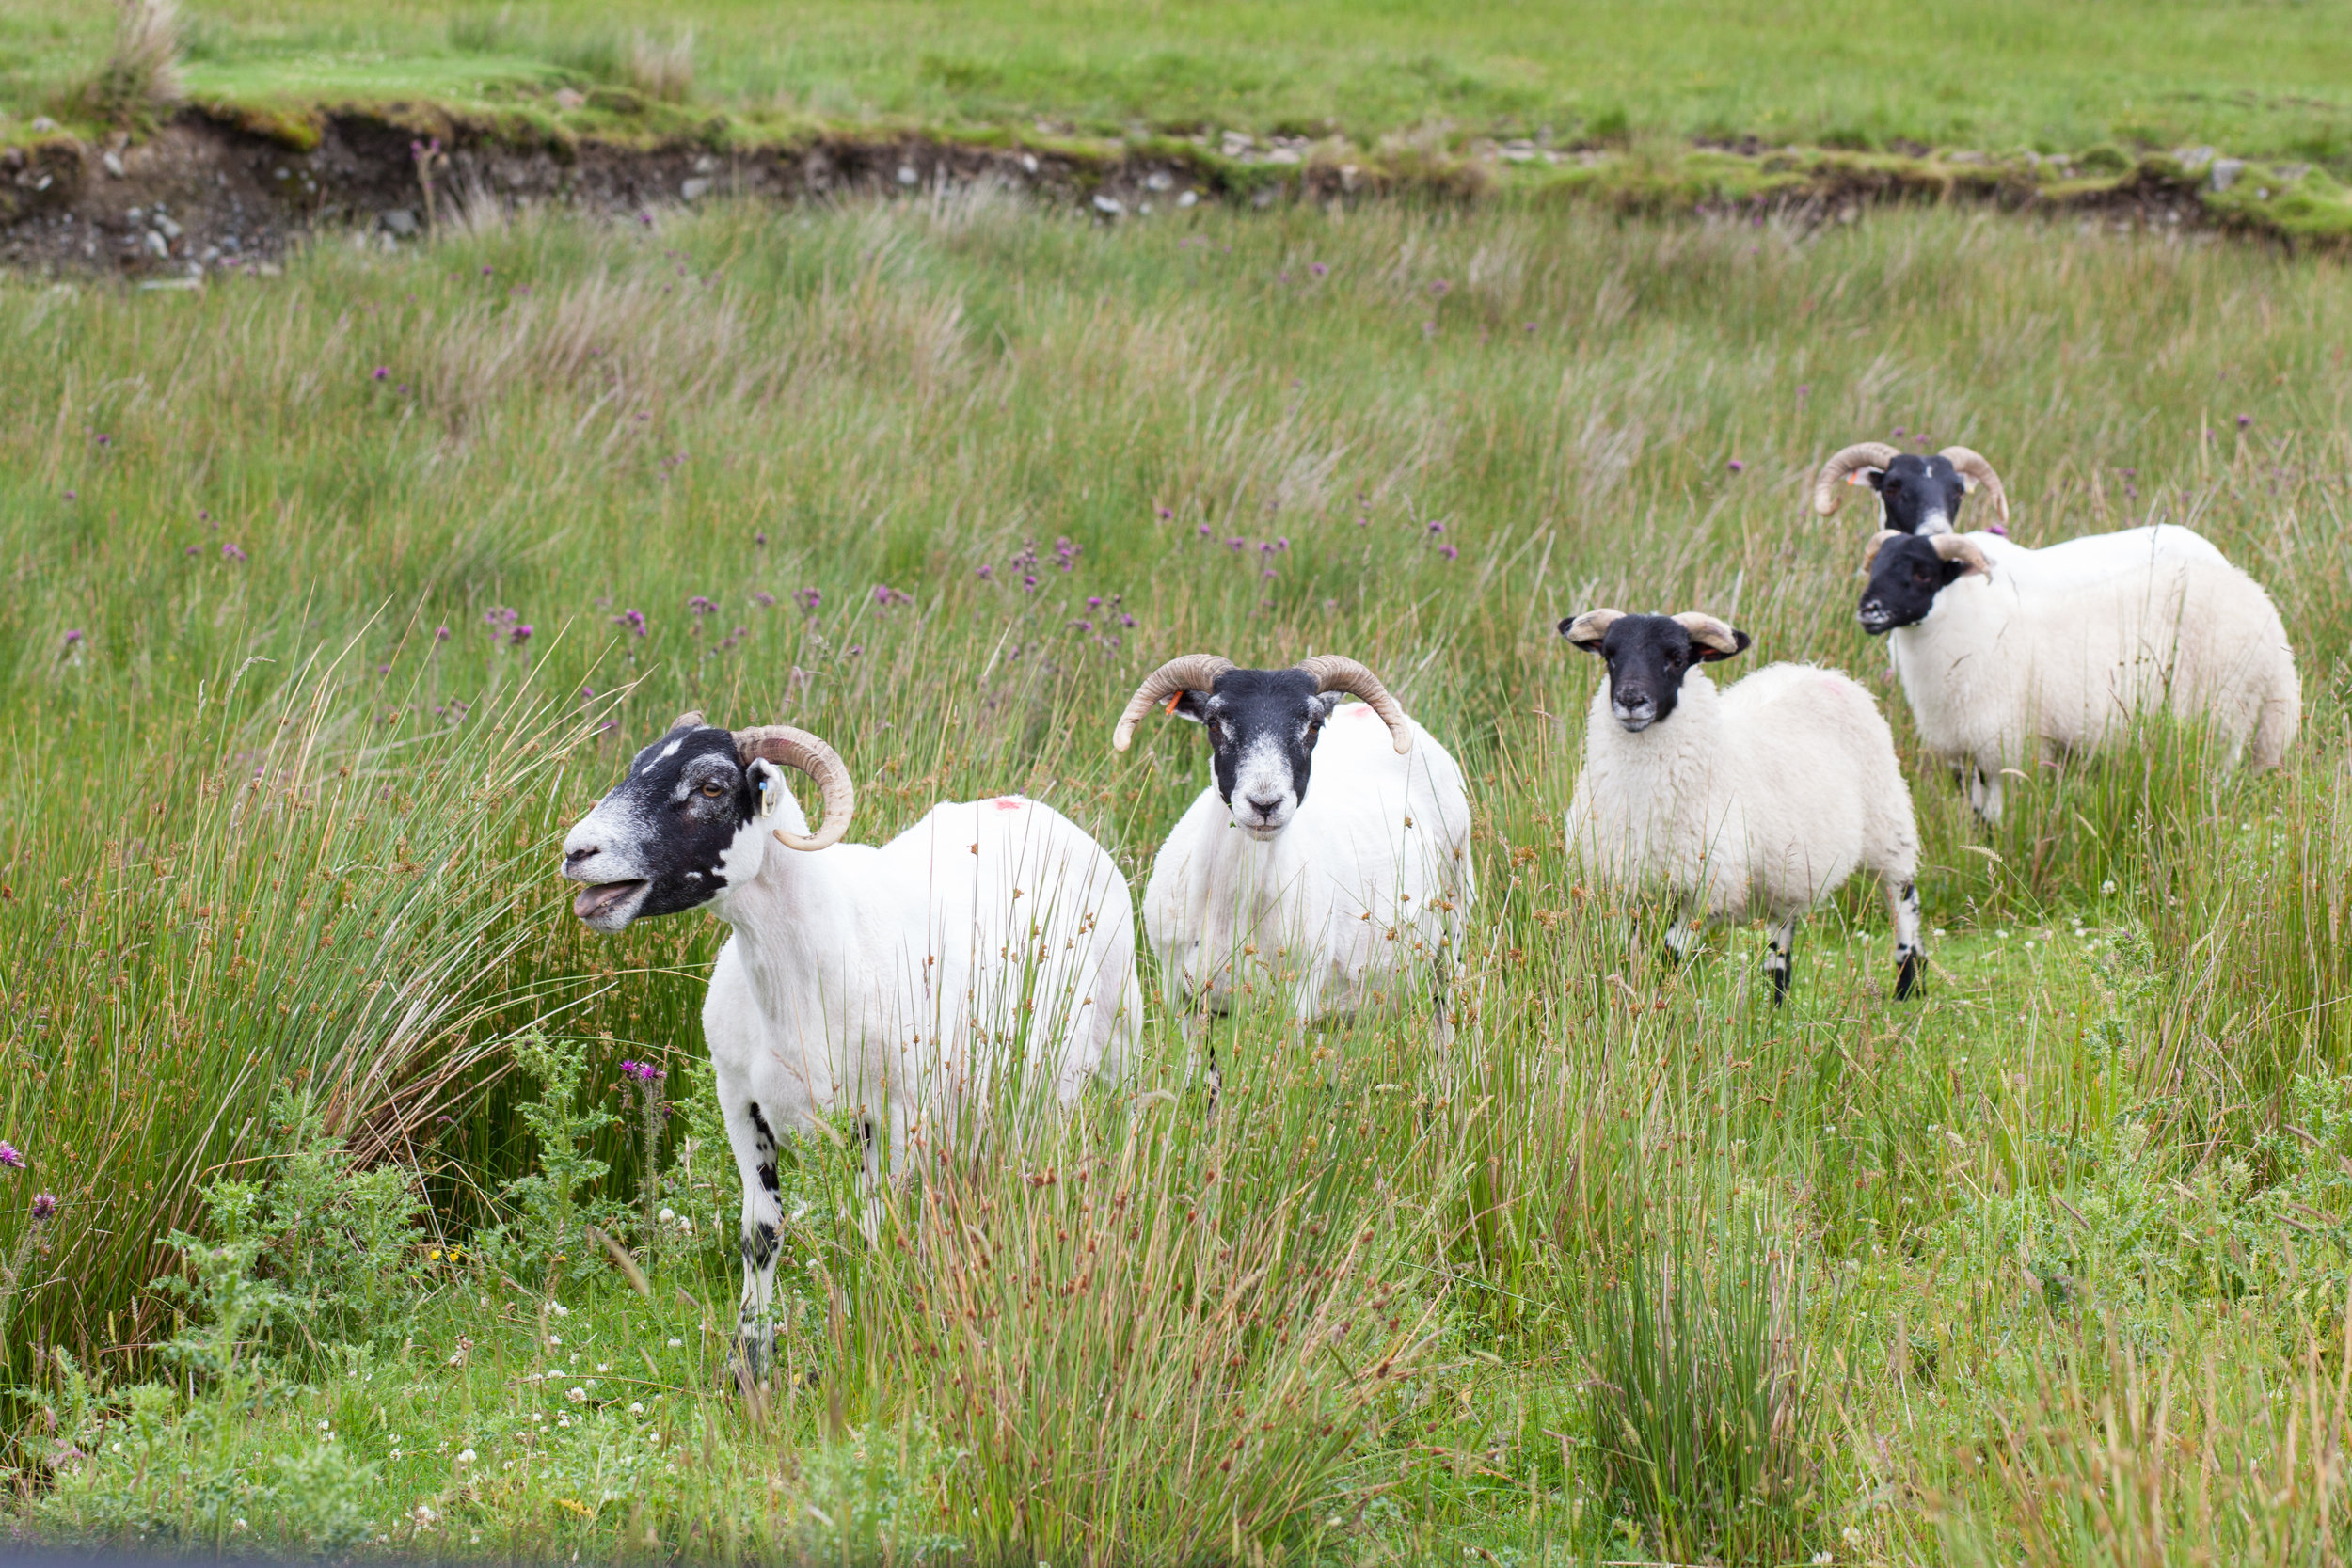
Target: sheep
[[1762, 799], [892, 980], [2009, 656], [1917, 494], [1333, 899]]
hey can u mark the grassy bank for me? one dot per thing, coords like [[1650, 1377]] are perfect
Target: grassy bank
[[939, 479]]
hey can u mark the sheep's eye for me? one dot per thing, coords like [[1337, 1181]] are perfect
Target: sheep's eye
[[714, 790]]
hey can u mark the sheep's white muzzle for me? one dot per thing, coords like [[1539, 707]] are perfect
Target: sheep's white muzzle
[[1635, 719]]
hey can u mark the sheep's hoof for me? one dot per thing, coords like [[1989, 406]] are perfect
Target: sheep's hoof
[[1908, 972]]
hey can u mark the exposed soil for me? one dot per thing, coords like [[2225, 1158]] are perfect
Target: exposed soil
[[205, 194]]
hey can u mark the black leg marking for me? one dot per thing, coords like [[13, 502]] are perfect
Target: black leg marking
[[1909, 972], [759, 1245], [759, 1126], [1777, 965], [768, 1177]]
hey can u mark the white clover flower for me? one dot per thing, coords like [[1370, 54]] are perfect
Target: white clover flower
[[466, 1456], [577, 1395], [326, 1426], [636, 1407], [678, 1344], [666, 1215], [557, 1309], [602, 1367]]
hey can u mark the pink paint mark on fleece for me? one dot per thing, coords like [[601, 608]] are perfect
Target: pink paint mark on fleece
[[1009, 802]]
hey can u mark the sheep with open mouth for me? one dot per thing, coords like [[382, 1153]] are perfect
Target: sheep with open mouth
[[908, 982], [1327, 900]]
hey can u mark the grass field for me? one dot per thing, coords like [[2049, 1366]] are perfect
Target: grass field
[[322, 628], [2264, 79]]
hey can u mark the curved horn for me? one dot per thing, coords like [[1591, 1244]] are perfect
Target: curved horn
[[1975, 469], [1862, 454], [1587, 630], [1707, 631], [1334, 672], [789, 747], [1869, 557], [1188, 672], [1960, 548], [691, 720]]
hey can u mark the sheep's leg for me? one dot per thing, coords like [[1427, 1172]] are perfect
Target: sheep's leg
[[1984, 793], [1441, 1009], [754, 1145], [1902, 905], [870, 1180], [1777, 964], [1682, 934]]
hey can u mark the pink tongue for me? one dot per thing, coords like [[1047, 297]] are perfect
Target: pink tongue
[[592, 900]]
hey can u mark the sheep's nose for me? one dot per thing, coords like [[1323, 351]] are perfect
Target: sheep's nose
[[1266, 805], [573, 857]]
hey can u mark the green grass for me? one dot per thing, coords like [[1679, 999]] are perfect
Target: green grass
[[2102, 1154], [2263, 79]]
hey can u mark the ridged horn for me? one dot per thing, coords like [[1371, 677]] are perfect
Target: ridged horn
[[1336, 673], [1960, 548], [1709, 632], [1870, 556], [691, 720], [1974, 468], [1862, 454], [787, 747], [1587, 630], [1187, 672]]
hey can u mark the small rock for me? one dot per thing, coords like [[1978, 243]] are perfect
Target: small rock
[[400, 221], [1028, 163], [165, 227], [907, 175], [2290, 173], [1159, 179], [2225, 172], [1521, 152], [1188, 199], [157, 245], [706, 164], [2193, 157], [43, 125], [1282, 155], [111, 162], [135, 216], [694, 190], [567, 98], [1109, 206]]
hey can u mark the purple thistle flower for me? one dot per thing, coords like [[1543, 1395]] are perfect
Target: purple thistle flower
[[230, 552], [1235, 543], [633, 619], [1165, 515], [2243, 420], [44, 1206], [761, 597], [1805, 389], [11, 1158], [808, 599], [1204, 528], [700, 606], [69, 495], [886, 597], [1317, 268], [72, 635], [440, 634], [760, 539], [520, 635], [1448, 552], [985, 572], [1735, 466], [383, 373], [105, 440]]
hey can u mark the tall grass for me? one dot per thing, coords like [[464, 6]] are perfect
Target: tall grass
[[939, 480]]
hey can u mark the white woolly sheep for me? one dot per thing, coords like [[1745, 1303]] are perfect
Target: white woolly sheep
[[2011, 657], [1333, 899], [1761, 799], [899, 981]]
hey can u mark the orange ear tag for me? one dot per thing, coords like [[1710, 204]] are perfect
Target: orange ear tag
[[1172, 702]]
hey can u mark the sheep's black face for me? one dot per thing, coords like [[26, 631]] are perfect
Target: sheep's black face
[[1647, 656], [660, 841], [1262, 726], [1918, 494], [1904, 581]]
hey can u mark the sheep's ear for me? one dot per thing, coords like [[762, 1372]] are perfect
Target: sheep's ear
[[1710, 639], [1740, 642], [1585, 631], [1967, 483], [767, 785], [1874, 477], [1189, 705]]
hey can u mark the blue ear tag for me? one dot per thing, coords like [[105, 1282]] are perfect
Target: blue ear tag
[[766, 795]]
